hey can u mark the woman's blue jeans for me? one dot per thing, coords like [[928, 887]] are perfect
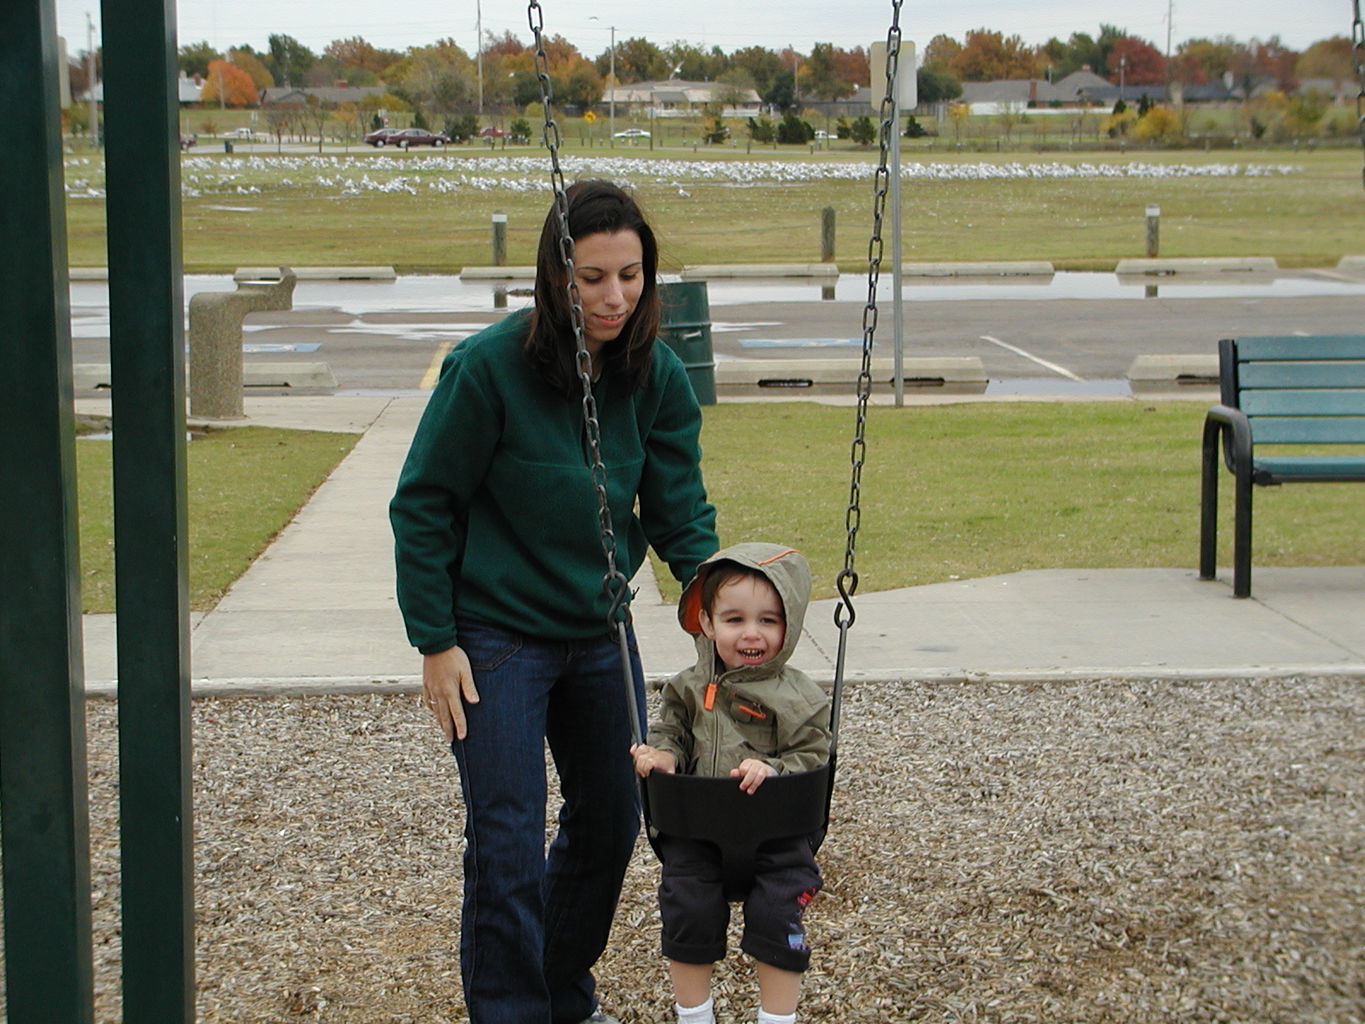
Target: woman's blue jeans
[[533, 923]]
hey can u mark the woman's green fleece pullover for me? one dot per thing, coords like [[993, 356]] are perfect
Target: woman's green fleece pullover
[[496, 516]]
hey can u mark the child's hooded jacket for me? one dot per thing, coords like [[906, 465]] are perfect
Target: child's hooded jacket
[[771, 712]]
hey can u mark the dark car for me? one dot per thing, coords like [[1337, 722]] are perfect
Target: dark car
[[405, 137]]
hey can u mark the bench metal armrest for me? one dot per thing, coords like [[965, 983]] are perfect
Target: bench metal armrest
[[1233, 424]]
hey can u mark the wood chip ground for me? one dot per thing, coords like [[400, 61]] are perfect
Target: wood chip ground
[[1093, 851]]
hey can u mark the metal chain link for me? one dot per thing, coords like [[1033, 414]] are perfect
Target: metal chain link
[[1358, 40], [614, 583], [847, 580]]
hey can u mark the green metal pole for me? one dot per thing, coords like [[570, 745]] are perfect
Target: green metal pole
[[43, 802], [147, 361]]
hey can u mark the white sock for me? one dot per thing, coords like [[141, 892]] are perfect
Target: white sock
[[703, 1014], [764, 1017]]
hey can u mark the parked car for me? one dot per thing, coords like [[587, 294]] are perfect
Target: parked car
[[186, 141], [245, 134], [493, 133], [632, 133], [405, 137], [380, 136], [822, 134]]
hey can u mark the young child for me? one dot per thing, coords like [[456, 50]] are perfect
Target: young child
[[740, 711]]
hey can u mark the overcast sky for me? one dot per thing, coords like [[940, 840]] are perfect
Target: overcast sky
[[732, 24]]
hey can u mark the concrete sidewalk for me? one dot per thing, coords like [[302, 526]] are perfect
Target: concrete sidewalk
[[317, 611]]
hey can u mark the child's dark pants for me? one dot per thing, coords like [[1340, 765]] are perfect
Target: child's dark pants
[[695, 913]]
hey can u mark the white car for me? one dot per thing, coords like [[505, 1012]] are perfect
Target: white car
[[632, 133], [822, 135]]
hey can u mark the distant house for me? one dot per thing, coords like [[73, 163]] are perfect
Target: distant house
[[189, 88], [675, 97], [328, 96]]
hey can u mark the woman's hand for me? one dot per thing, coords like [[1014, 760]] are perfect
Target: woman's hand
[[648, 759], [751, 773], [448, 684]]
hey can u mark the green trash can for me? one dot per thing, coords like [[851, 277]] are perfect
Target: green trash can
[[686, 329], [227, 145]]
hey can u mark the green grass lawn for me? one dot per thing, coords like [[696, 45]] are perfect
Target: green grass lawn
[[948, 492], [244, 484], [725, 206], [974, 490]]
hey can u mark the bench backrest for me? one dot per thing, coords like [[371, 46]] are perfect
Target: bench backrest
[[1297, 390]]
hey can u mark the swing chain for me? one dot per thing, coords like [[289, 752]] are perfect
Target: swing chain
[[847, 580], [1358, 43], [614, 583]]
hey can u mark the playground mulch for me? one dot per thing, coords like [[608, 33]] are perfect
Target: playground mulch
[[1098, 851]]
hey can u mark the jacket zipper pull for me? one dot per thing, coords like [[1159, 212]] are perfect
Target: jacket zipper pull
[[709, 702]]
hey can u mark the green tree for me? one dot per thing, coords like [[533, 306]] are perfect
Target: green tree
[[194, 58], [762, 129], [820, 77], [695, 64], [289, 60], [782, 93], [639, 60], [763, 66], [794, 131], [939, 54], [935, 86], [863, 131]]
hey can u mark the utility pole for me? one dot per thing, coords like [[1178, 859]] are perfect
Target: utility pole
[[611, 84], [90, 78], [478, 28]]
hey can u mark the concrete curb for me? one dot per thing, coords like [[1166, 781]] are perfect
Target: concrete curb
[[498, 274], [1173, 372], [97, 376], [318, 273], [1199, 265], [312, 686], [759, 270], [995, 268], [942, 374]]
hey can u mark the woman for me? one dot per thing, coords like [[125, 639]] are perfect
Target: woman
[[500, 566]]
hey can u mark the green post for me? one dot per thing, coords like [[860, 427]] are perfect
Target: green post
[[43, 802], [147, 356]]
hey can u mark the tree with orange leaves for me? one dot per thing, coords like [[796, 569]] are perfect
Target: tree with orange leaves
[[228, 86]]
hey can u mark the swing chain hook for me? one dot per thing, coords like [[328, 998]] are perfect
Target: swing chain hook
[[1358, 47], [614, 582], [847, 581]]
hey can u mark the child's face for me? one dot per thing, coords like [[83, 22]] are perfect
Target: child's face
[[746, 621]]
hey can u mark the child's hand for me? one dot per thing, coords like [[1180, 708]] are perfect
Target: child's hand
[[648, 759], [751, 773]]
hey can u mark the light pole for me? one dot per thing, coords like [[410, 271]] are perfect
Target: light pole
[[478, 30], [611, 79]]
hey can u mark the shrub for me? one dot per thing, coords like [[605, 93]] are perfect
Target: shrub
[[1159, 124]]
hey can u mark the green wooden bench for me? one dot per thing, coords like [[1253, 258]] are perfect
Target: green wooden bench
[[1282, 392]]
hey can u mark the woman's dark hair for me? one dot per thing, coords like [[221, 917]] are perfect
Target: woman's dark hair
[[594, 206]]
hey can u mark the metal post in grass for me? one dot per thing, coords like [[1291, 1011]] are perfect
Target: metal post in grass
[[147, 357], [499, 239], [43, 801], [1153, 231], [827, 234]]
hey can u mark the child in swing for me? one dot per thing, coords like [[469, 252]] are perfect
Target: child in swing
[[740, 711]]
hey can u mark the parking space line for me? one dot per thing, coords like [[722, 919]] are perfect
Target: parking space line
[[434, 370], [1032, 358]]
